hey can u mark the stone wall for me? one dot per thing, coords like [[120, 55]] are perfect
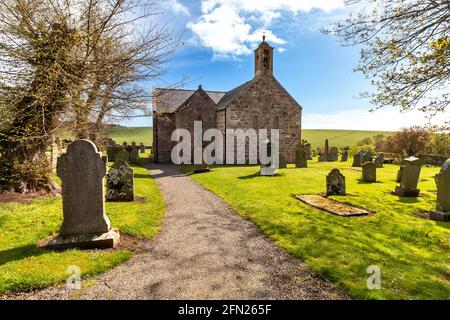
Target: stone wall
[[266, 103], [163, 126]]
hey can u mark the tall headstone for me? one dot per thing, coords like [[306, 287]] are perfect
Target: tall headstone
[[336, 183], [82, 170], [409, 178], [134, 154], [369, 172], [120, 183], [325, 155], [379, 160], [442, 212], [301, 158]]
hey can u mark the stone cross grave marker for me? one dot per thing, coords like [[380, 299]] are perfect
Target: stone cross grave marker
[[442, 212], [409, 178], [336, 183]]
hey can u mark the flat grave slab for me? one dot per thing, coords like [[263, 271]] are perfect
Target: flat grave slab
[[332, 206]]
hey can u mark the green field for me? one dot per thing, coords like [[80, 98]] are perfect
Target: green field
[[340, 138], [411, 251]]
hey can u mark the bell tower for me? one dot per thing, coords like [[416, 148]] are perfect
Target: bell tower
[[264, 59]]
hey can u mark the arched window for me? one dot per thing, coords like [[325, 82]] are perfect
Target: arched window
[[276, 123], [255, 123]]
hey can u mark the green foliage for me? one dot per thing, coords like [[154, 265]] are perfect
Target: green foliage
[[23, 266], [411, 251], [439, 144]]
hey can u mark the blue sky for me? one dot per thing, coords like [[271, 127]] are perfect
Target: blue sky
[[219, 37]]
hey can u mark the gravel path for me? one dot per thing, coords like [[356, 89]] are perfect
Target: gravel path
[[204, 251]]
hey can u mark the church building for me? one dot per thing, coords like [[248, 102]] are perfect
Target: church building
[[261, 103]]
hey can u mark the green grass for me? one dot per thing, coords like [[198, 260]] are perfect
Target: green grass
[[128, 134], [413, 253], [339, 138], [23, 266]]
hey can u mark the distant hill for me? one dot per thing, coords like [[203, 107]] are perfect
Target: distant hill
[[340, 138]]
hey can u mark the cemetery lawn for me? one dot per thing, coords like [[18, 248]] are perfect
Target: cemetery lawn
[[412, 252], [24, 267]]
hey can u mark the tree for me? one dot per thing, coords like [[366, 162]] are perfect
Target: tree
[[411, 141], [71, 62], [406, 51]]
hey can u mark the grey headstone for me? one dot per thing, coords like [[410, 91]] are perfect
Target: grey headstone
[[134, 154], [301, 158], [442, 212], [358, 158], [123, 155], [336, 183], [111, 152], [120, 183], [82, 171], [142, 148], [369, 172], [409, 178]]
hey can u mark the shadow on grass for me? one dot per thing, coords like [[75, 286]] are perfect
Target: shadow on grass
[[251, 176], [19, 253], [407, 200], [443, 224], [142, 176], [363, 182]]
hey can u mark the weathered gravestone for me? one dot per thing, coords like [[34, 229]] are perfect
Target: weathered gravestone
[[133, 144], [120, 183], [134, 154], [369, 172], [111, 152], [379, 160], [442, 212], [301, 158], [344, 157], [85, 225], [334, 154], [142, 148], [123, 155], [409, 178], [336, 183], [125, 144]]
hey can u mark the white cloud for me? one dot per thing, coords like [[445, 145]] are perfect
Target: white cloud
[[233, 27], [281, 50], [177, 7], [388, 119]]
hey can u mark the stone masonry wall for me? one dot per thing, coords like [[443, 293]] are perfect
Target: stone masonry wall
[[164, 125], [266, 100]]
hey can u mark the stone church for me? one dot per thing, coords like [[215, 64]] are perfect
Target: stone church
[[260, 103]]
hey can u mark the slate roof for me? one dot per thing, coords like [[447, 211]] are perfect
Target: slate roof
[[169, 100], [232, 95]]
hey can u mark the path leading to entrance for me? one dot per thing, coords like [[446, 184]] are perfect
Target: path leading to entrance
[[205, 251]]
